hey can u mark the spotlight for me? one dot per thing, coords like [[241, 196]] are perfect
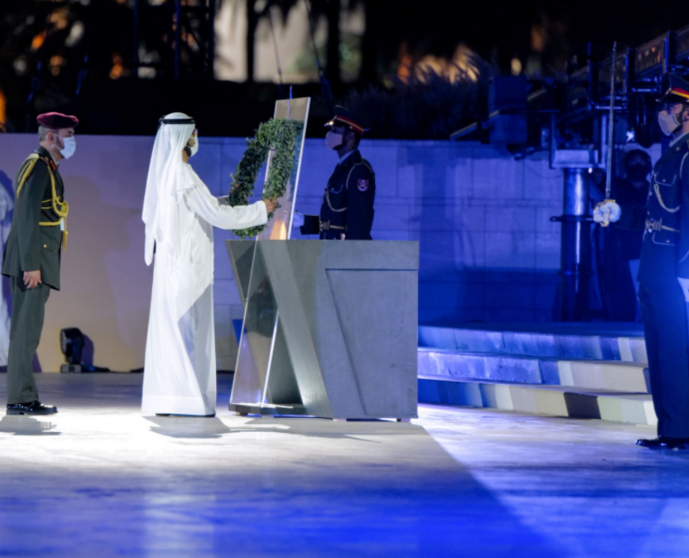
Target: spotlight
[[72, 343]]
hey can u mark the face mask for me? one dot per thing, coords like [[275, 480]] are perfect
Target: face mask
[[194, 148], [333, 140], [637, 172], [69, 146], [668, 123]]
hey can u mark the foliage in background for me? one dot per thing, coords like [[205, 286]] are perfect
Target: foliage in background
[[281, 136], [350, 58], [424, 105]]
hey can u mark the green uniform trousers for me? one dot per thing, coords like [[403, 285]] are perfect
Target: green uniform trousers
[[28, 312]]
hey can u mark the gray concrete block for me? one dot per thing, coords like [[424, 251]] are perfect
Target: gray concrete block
[[498, 178], [547, 251], [507, 315], [511, 219], [384, 160], [510, 297], [347, 328], [543, 215], [459, 294], [540, 181], [515, 250]]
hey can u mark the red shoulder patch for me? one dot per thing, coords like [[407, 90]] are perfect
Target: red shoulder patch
[[362, 185]]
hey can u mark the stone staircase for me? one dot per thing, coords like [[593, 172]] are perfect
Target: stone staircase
[[568, 370]]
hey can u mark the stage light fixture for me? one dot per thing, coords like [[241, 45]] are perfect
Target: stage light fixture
[[72, 343]]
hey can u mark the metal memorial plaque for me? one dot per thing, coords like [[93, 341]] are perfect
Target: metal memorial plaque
[[261, 335], [345, 342], [280, 226]]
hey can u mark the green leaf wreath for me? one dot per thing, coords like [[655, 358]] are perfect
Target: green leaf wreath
[[282, 135]]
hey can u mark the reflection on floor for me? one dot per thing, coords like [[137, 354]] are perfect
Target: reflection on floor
[[99, 479]]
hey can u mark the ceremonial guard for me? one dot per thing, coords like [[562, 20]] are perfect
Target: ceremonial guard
[[619, 250], [32, 255], [347, 209], [664, 270]]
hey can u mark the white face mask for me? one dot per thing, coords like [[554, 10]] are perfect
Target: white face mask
[[194, 148], [333, 140], [668, 123], [70, 147]]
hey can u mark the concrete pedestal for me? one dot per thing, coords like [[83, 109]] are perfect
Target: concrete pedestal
[[330, 328]]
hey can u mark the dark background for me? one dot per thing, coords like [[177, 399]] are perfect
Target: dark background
[[78, 56]]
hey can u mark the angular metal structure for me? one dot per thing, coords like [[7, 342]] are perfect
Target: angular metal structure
[[330, 328]]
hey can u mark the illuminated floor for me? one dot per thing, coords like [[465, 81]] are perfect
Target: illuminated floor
[[99, 479]]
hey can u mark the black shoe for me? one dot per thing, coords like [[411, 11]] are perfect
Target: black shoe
[[32, 408], [663, 442]]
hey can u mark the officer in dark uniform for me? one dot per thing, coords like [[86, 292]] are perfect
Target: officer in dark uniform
[[664, 270], [32, 255], [347, 209], [619, 249]]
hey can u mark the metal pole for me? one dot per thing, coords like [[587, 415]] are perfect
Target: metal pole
[[611, 130], [135, 46], [210, 48], [178, 36], [575, 254]]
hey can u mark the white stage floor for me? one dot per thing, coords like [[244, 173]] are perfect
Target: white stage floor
[[99, 479]]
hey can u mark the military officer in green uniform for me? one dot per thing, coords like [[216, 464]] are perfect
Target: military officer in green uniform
[[32, 255], [347, 209], [664, 270]]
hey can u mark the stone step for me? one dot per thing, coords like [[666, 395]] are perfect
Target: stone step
[[557, 401], [584, 374], [616, 342]]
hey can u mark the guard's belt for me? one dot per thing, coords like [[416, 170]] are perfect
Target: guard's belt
[[326, 226]]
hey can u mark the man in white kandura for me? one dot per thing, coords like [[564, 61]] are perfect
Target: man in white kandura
[[180, 213]]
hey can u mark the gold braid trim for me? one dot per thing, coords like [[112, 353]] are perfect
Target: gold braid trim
[[27, 171], [327, 199], [327, 193], [662, 203], [61, 208]]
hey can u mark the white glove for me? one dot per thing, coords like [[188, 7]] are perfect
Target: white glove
[[607, 212], [684, 284]]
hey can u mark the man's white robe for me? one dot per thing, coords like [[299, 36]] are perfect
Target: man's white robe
[[180, 369]]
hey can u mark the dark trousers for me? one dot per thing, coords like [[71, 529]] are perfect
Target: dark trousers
[[664, 314], [28, 312]]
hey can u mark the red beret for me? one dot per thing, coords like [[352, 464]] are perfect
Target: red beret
[[56, 120]]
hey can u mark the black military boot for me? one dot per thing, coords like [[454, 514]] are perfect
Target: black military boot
[[663, 442], [31, 408]]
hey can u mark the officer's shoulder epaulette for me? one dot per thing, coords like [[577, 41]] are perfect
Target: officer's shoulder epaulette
[[366, 164], [680, 147], [32, 159], [29, 165], [47, 160]]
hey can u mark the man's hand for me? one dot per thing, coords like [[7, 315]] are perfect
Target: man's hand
[[270, 205], [607, 212], [32, 278], [684, 284]]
